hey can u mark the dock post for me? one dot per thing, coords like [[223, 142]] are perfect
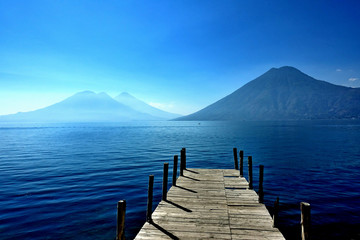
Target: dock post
[[150, 198], [250, 172], [235, 159], [305, 220], [175, 170], [276, 213], [241, 163], [182, 162], [165, 181], [120, 220], [184, 150], [261, 180]]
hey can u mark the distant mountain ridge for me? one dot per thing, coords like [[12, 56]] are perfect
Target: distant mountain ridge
[[284, 94], [138, 105], [87, 106]]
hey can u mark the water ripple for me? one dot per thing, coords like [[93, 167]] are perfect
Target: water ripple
[[62, 181]]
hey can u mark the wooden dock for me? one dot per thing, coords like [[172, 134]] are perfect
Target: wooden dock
[[210, 203]]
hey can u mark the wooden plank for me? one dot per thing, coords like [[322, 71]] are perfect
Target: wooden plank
[[210, 203]]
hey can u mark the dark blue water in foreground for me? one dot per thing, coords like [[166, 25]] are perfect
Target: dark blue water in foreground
[[62, 181]]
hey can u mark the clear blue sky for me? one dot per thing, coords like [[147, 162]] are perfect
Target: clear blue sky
[[181, 55]]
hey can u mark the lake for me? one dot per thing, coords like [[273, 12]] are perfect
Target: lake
[[63, 181]]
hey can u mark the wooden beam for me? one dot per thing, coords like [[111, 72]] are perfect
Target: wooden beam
[[250, 172], [261, 181], [241, 153], [165, 181], [182, 164], [276, 213], [150, 198], [120, 220], [235, 159], [175, 170], [305, 220]]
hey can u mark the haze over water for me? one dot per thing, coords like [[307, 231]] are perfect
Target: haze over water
[[62, 181]]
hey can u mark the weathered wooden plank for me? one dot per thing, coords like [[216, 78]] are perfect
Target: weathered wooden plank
[[210, 203]]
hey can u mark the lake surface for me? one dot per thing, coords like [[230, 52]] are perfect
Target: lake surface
[[63, 181]]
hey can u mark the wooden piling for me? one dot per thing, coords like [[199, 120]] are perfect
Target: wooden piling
[[261, 180], [235, 159], [241, 163], [165, 180], [250, 172], [182, 162], [150, 198], [305, 220], [184, 151], [120, 220], [175, 170], [276, 212]]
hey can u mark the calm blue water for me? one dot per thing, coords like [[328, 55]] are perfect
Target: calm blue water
[[62, 181]]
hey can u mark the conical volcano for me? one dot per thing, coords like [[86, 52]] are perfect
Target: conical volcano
[[284, 94], [84, 106]]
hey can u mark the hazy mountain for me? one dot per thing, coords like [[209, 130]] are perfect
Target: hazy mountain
[[85, 106], [138, 105], [284, 94]]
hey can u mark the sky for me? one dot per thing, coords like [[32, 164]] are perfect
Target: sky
[[177, 55]]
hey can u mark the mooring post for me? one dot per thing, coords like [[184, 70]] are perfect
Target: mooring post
[[184, 152], [261, 180], [120, 220], [165, 181], [241, 163], [182, 162], [175, 170], [305, 220], [250, 172], [150, 198], [235, 159], [276, 212]]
